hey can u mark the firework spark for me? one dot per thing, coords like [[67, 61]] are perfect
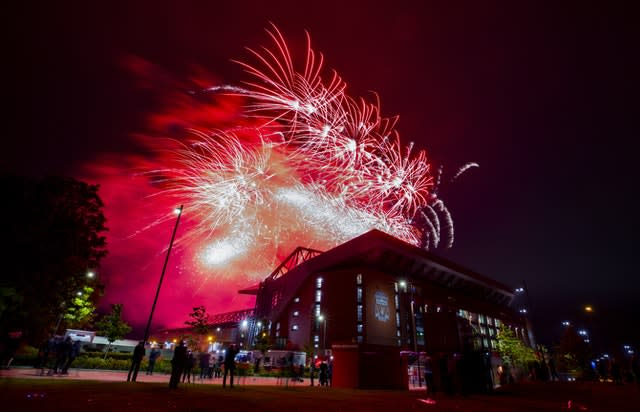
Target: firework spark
[[317, 168]]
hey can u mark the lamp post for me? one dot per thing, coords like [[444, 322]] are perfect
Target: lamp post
[[164, 268]]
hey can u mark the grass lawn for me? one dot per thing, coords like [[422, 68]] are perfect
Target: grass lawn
[[91, 396]]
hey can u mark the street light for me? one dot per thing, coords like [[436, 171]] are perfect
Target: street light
[[177, 211]]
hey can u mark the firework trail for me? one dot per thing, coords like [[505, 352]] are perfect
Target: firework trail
[[317, 168]]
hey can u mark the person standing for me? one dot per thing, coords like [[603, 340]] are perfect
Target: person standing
[[204, 364], [229, 365], [177, 364], [63, 350], [188, 366], [73, 354], [153, 357], [136, 360]]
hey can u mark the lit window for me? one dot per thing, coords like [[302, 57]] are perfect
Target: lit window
[[296, 313], [318, 295], [319, 283], [278, 326], [489, 321], [395, 286], [296, 300], [396, 300], [316, 338], [359, 313], [359, 279], [397, 319], [483, 319], [483, 330], [359, 294], [360, 339], [315, 346], [317, 310], [359, 328], [498, 323], [294, 327]]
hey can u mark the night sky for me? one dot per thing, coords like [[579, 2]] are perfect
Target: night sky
[[538, 94]]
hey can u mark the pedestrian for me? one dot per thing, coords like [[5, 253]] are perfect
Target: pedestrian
[[63, 349], [177, 364], [153, 357], [323, 378], [229, 365], [204, 364], [136, 360], [428, 375], [73, 354], [312, 370], [553, 371], [188, 366]]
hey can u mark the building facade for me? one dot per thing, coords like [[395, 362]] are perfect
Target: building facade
[[376, 301]]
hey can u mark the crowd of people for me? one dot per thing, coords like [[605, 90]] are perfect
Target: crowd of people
[[57, 354]]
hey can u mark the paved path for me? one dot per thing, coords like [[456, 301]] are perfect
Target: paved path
[[115, 376]]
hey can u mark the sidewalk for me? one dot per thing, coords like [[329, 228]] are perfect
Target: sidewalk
[[121, 376]]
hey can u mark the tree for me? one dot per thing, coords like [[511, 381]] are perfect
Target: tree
[[52, 235], [200, 323], [112, 326], [574, 354], [514, 352], [81, 311]]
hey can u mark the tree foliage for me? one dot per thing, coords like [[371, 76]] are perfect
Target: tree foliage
[[512, 349], [112, 326], [199, 321], [81, 311], [52, 235]]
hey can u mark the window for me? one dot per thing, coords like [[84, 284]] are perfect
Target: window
[[296, 313], [294, 327], [296, 299], [319, 283], [489, 321], [360, 339], [482, 319], [359, 328], [498, 323], [278, 326], [317, 310], [359, 313], [316, 338], [359, 294], [359, 279], [318, 295]]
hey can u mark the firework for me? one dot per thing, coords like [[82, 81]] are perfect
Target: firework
[[318, 168]]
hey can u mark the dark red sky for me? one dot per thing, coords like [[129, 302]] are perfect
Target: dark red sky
[[539, 94]]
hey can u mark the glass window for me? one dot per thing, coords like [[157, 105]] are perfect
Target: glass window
[[396, 300], [359, 294], [397, 319], [317, 310], [359, 328], [360, 339], [278, 326], [319, 283], [296, 300], [482, 319], [318, 295], [359, 312], [498, 323], [316, 338], [296, 313], [489, 321], [483, 330], [359, 279], [294, 327]]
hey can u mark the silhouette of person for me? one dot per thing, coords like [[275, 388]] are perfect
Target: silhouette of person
[[188, 366], [74, 351], [136, 359], [229, 365], [63, 349], [177, 364], [153, 357], [323, 378]]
